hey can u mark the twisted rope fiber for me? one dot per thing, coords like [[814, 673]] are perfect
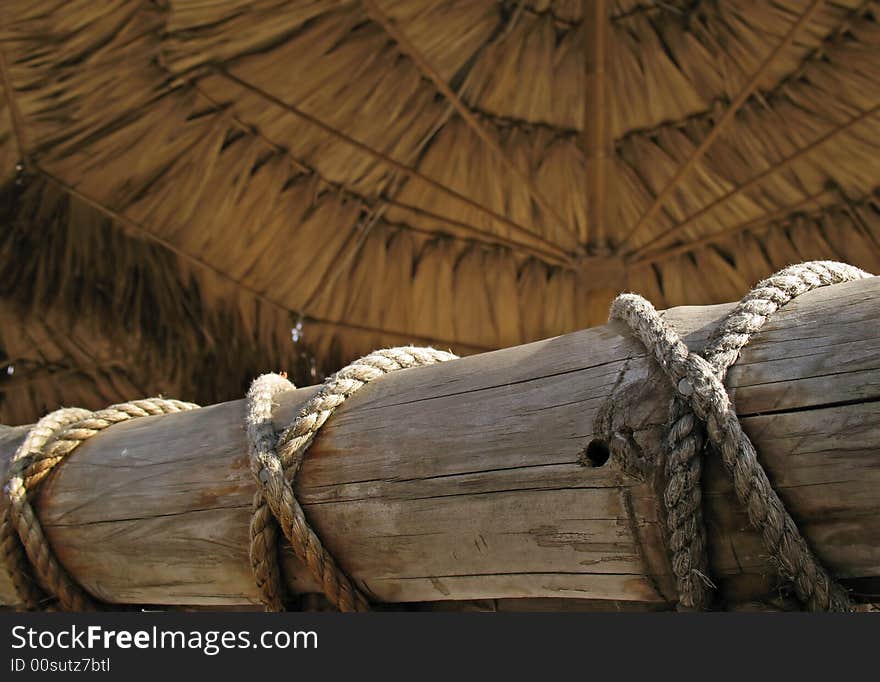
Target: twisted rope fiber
[[275, 462], [262, 440], [11, 548], [701, 397], [24, 549]]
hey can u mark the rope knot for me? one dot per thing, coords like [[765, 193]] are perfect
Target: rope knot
[[24, 548], [700, 398], [276, 459]]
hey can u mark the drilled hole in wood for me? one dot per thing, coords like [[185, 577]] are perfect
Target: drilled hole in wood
[[597, 453]]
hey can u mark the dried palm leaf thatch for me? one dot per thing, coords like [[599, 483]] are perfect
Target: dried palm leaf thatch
[[92, 315], [392, 171], [9, 154]]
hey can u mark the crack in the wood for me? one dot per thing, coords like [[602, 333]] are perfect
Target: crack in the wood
[[463, 494], [144, 518], [558, 405], [512, 573], [811, 408], [626, 498], [476, 472], [382, 406], [795, 380], [122, 485], [773, 360]]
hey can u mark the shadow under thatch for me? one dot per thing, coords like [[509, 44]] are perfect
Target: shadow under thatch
[[93, 316]]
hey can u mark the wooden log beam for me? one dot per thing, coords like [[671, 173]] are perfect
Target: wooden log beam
[[467, 480]]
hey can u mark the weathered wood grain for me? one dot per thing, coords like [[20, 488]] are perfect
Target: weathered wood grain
[[461, 481]]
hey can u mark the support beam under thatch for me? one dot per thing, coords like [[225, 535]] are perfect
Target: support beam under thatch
[[408, 48], [244, 286], [473, 479], [598, 138], [813, 201], [401, 168], [755, 181], [724, 120]]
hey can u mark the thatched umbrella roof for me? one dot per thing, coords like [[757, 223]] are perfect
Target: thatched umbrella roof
[[185, 180]]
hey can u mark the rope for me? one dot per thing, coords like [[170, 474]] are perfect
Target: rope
[[11, 547], [700, 397], [262, 439], [275, 462], [25, 550]]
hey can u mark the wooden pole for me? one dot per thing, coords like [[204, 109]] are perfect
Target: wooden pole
[[598, 137], [467, 480]]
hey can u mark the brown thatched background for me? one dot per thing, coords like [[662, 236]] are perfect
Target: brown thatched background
[[184, 179]]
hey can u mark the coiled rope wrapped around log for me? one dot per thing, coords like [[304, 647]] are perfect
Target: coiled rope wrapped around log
[[23, 546], [699, 402], [701, 398], [275, 465]]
